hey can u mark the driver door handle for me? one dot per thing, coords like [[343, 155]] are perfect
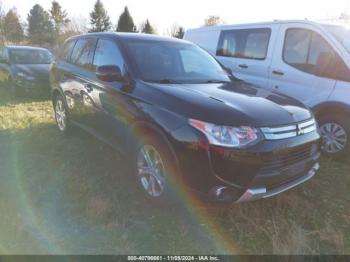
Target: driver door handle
[[243, 66], [278, 72]]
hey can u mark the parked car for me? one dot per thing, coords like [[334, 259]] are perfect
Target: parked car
[[180, 119], [306, 60], [25, 69]]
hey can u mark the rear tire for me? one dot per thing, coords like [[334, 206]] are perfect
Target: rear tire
[[61, 115], [335, 131]]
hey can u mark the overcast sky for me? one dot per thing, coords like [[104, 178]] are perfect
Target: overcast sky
[[191, 13]]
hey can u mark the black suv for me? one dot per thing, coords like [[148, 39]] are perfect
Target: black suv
[[183, 119]]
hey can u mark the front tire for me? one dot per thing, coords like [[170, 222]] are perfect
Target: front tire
[[61, 114], [155, 168], [335, 131]]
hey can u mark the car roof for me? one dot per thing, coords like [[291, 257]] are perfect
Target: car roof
[[129, 36], [23, 47], [220, 27]]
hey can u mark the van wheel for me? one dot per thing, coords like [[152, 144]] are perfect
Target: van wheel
[[155, 169], [61, 114], [335, 131]]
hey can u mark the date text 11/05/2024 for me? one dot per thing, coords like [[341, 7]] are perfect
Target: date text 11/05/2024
[[173, 258]]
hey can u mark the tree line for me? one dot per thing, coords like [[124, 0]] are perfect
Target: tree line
[[51, 27]]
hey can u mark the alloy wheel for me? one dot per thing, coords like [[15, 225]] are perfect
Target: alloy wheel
[[150, 169], [334, 138], [61, 116]]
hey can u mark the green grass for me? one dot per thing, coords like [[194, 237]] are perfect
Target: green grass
[[73, 195]]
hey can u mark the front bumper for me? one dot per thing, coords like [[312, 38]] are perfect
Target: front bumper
[[253, 194], [229, 175]]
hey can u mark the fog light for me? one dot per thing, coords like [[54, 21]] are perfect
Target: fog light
[[222, 194]]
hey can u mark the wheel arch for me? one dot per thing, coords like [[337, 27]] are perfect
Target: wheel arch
[[141, 128], [331, 108]]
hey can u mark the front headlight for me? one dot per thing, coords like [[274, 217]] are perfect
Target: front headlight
[[236, 137], [25, 76]]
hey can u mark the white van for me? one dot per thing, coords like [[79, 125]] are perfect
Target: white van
[[306, 60]]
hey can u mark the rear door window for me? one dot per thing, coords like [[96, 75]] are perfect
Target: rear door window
[[244, 43], [83, 52], [67, 50]]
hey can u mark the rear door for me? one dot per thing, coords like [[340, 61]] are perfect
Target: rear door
[[77, 77], [248, 52], [295, 58]]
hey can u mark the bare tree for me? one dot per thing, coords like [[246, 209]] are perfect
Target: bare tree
[[174, 31], [77, 25], [213, 20]]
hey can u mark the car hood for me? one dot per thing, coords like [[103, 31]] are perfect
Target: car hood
[[40, 71], [234, 103]]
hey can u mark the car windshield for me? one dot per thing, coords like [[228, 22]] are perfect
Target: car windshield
[[341, 33], [171, 62], [29, 56]]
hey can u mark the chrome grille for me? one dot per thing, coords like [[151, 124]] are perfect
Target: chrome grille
[[283, 132]]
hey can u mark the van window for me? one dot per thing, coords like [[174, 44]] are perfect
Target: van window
[[318, 46], [303, 47], [107, 53], [246, 43], [83, 52], [227, 46], [67, 50]]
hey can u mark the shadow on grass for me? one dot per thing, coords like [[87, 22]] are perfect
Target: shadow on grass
[[73, 195], [8, 98]]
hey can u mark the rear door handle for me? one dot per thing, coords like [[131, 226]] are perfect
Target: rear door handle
[[243, 66], [88, 87], [277, 72]]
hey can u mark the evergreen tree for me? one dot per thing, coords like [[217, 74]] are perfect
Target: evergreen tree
[[2, 14], [13, 30], [125, 22], [180, 32], [40, 27], [58, 16], [147, 28], [99, 18]]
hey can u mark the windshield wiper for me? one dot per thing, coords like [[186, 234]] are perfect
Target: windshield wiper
[[163, 81], [217, 81]]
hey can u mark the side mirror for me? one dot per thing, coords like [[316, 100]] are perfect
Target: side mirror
[[109, 73]]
